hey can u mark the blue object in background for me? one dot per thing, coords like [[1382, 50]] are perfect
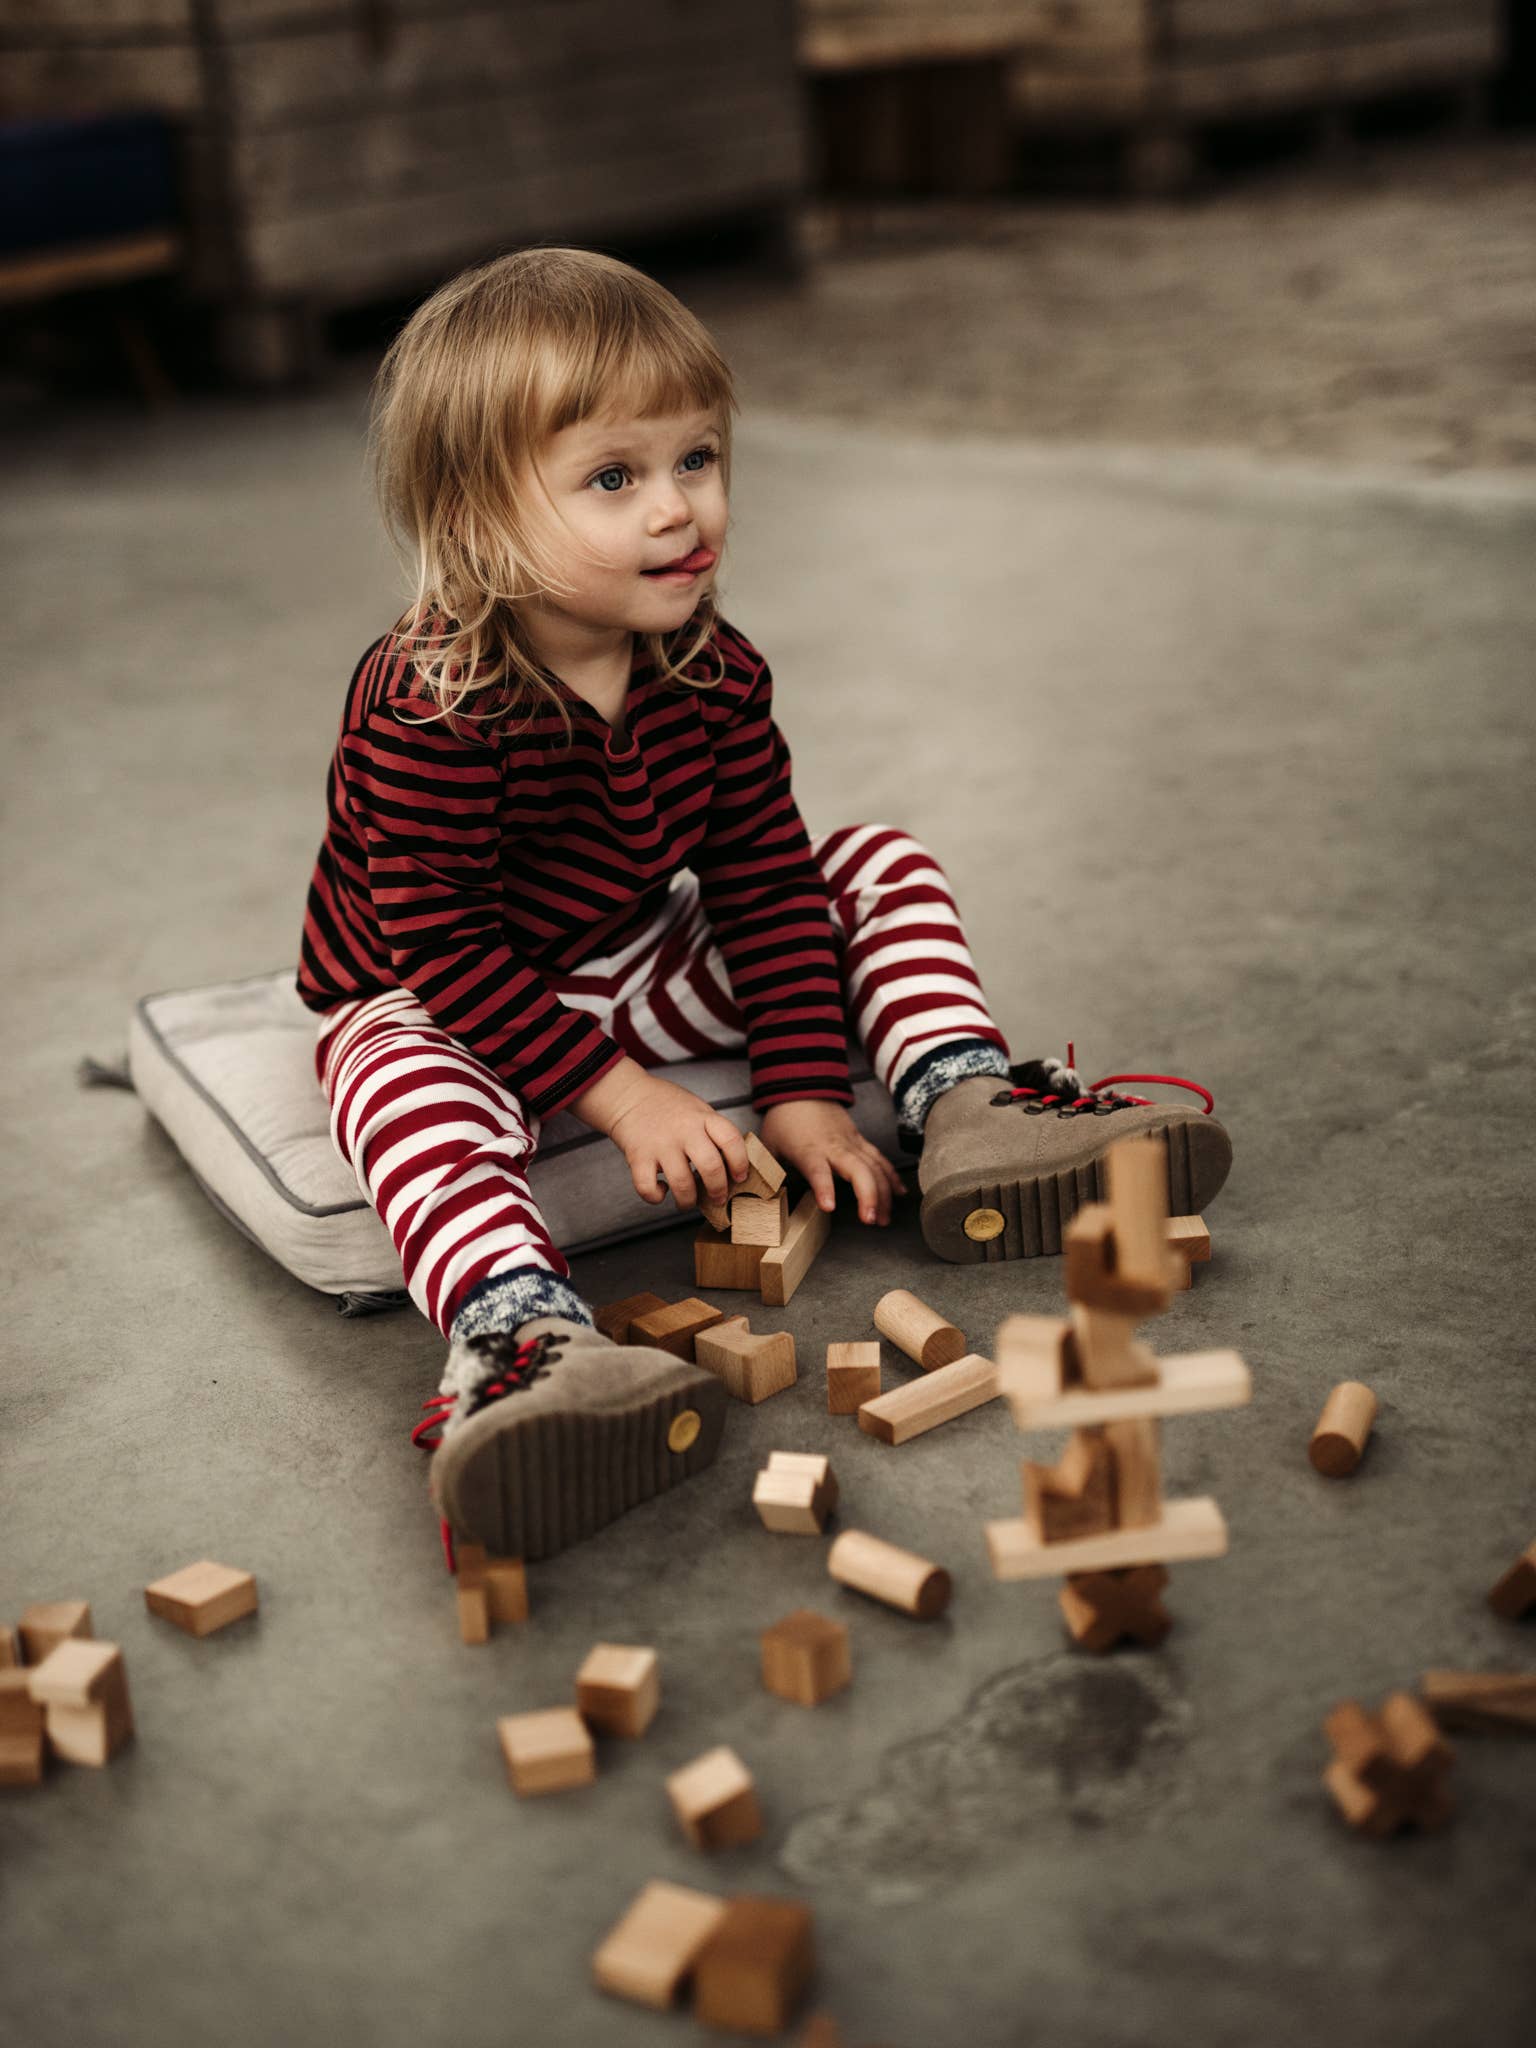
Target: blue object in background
[[87, 179]]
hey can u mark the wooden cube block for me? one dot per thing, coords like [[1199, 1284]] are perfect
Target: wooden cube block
[[765, 1175], [82, 1687], [753, 1364], [618, 1688], [547, 1751], [20, 1714], [202, 1597], [675, 1327], [21, 1759], [717, 1262], [46, 1623], [806, 1657], [716, 1801], [1075, 1497], [752, 1972], [615, 1319], [817, 1466], [786, 1264], [760, 1219], [853, 1376], [506, 1589], [649, 1955], [1514, 1594]]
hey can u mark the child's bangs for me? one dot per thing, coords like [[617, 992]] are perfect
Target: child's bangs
[[642, 376]]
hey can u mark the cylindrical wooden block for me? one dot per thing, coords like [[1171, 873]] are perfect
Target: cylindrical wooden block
[[898, 1577], [1339, 1438], [919, 1330]]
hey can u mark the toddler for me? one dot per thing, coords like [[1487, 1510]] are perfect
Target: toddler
[[562, 850]]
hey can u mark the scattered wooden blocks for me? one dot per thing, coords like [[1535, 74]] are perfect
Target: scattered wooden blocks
[[47, 1623], [618, 1689], [1389, 1768], [22, 1743], [1104, 1608], [760, 1219], [753, 1970], [1481, 1699], [649, 1954], [615, 1319], [202, 1597], [795, 1492], [1076, 1496], [919, 1330], [806, 1657], [920, 1405], [899, 1578], [674, 1327], [82, 1687], [717, 1262], [549, 1750], [753, 1364], [716, 1801], [786, 1264], [853, 1376], [488, 1589], [1511, 1597], [1338, 1441]]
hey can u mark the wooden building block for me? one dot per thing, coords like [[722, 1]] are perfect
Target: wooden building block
[[649, 1954], [920, 1405], [1513, 1595], [1137, 1172], [786, 1264], [890, 1574], [754, 1364], [615, 1319], [1135, 1450], [1188, 1529], [819, 1467], [806, 1657], [82, 1686], [46, 1624], [1091, 1270], [618, 1688], [717, 1262], [760, 1219], [821, 2031], [1389, 1768], [1190, 1384], [1481, 1699], [1104, 1608], [1038, 1355], [716, 1214], [716, 1801], [1190, 1242], [1076, 1496], [10, 1649], [474, 1607], [765, 1175], [853, 1376], [1338, 1441], [202, 1597], [919, 1330], [506, 1589], [548, 1750], [20, 1714], [752, 1973], [21, 1759], [1108, 1354], [786, 1502], [674, 1327]]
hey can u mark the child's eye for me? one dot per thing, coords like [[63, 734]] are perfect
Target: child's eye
[[617, 469], [709, 454], [614, 469]]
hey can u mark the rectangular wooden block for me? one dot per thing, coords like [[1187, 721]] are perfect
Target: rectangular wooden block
[[649, 1955], [938, 1397], [1482, 1699], [46, 1623], [1188, 1529], [716, 1214], [753, 1364], [1188, 1384], [853, 1376], [815, 1465], [548, 1750], [760, 1219], [618, 1688], [1189, 1238], [719, 1263], [1136, 1453], [1091, 1270], [614, 1320], [674, 1328], [20, 1714], [786, 1265], [1138, 1200], [82, 1687], [474, 1607], [752, 1972], [1037, 1353], [715, 1800], [806, 1657], [765, 1175], [21, 1758], [786, 1503], [202, 1597], [506, 1589], [1511, 1597]]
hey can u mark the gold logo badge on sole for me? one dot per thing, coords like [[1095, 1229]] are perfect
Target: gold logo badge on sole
[[685, 1430], [983, 1224]]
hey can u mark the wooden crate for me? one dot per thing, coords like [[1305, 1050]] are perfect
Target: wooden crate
[[338, 150]]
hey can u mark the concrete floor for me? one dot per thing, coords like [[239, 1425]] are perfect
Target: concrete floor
[[1231, 766]]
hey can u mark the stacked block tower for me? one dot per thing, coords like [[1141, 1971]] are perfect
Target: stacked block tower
[[1098, 1518]]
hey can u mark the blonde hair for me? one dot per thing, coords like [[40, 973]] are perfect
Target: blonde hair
[[497, 360]]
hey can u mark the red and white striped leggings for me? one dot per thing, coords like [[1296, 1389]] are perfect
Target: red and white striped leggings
[[439, 1144]]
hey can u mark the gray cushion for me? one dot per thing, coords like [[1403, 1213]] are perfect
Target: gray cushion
[[228, 1070]]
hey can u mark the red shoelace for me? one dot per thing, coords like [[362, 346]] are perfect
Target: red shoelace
[[522, 1367], [1096, 1097]]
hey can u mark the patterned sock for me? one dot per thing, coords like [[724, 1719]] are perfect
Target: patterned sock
[[506, 1301], [936, 1070]]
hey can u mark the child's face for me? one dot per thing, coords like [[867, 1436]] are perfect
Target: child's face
[[630, 496]]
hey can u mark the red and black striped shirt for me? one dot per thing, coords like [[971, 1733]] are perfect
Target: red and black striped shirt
[[457, 863]]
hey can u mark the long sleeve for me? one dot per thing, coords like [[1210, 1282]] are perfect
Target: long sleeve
[[424, 807], [764, 895]]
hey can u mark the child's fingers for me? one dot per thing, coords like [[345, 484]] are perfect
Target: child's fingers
[[873, 1193], [678, 1172], [711, 1169], [733, 1146], [819, 1177]]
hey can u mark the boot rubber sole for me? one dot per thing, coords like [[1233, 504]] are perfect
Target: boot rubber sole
[[1035, 1210], [530, 1483]]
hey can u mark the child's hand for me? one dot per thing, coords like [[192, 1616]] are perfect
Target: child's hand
[[821, 1138], [662, 1126]]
